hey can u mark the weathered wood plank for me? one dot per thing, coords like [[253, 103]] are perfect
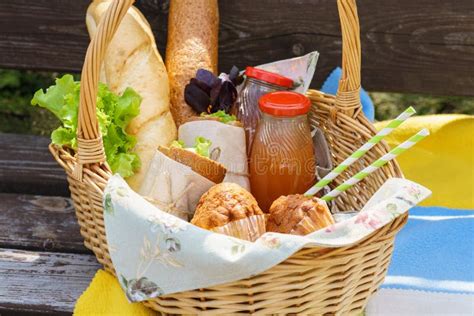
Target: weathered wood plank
[[409, 46], [42, 282], [44, 223], [26, 166]]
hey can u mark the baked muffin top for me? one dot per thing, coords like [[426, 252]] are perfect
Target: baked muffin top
[[224, 203], [286, 213]]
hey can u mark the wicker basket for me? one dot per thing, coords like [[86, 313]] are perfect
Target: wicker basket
[[312, 281]]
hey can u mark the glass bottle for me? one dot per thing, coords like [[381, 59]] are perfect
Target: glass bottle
[[282, 159], [258, 83]]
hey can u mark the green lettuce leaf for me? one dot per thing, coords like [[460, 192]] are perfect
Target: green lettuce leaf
[[114, 113], [202, 146], [177, 144], [64, 136], [124, 164], [57, 96], [222, 116]]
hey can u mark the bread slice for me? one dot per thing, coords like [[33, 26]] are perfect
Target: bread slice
[[206, 167]]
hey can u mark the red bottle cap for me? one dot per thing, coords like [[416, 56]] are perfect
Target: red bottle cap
[[284, 103], [269, 77]]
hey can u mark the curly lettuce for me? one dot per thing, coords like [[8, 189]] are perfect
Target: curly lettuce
[[222, 116], [201, 147], [114, 113], [177, 144]]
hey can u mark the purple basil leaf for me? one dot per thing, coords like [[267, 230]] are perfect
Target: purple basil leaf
[[206, 76], [196, 98], [227, 96], [215, 91], [233, 74], [201, 85]]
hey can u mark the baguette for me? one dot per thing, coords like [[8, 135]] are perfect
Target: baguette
[[132, 60], [192, 44]]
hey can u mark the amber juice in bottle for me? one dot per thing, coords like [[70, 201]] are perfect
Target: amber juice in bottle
[[282, 157]]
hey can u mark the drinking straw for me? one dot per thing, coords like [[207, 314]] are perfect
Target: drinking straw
[[377, 164], [361, 151]]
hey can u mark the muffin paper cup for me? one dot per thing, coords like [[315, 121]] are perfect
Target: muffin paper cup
[[250, 228], [313, 221]]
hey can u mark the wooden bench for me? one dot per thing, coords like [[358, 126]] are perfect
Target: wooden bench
[[421, 46]]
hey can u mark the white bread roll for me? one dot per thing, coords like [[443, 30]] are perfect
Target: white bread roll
[[132, 60], [193, 27]]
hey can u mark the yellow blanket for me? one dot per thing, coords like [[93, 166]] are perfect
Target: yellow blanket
[[104, 296], [444, 162]]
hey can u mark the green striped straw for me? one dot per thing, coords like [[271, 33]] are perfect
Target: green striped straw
[[377, 164], [361, 151]]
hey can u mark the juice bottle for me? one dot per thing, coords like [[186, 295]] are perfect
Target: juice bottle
[[282, 159], [258, 83]]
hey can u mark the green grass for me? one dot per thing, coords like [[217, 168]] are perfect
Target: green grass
[[17, 116], [16, 113], [389, 105]]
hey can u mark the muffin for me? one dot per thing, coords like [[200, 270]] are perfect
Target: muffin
[[229, 209], [298, 215]]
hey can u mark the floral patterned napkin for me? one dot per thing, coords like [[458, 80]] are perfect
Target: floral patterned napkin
[[155, 253]]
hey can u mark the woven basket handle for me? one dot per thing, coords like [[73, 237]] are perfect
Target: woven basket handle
[[347, 97], [89, 140]]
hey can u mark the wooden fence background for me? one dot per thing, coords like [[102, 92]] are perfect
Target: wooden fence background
[[424, 46]]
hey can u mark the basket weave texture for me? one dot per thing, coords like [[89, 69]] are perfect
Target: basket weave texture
[[313, 281]]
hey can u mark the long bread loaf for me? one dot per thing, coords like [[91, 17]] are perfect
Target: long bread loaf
[[132, 60], [193, 27]]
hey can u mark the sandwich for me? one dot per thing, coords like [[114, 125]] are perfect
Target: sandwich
[[198, 158]]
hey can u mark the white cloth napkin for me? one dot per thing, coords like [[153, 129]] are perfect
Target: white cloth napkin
[[155, 253]]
